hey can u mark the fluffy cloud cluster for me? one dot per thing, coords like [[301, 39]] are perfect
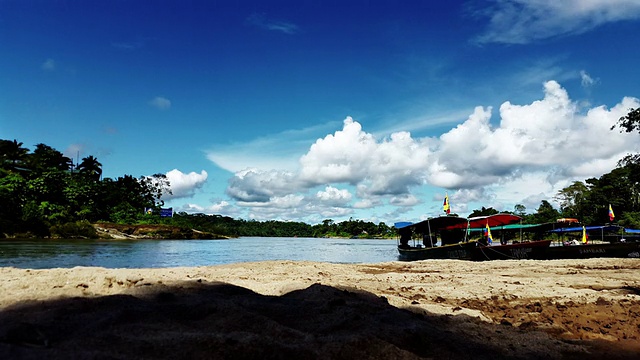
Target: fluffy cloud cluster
[[386, 167], [551, 133], [534, 149], [184, 185]]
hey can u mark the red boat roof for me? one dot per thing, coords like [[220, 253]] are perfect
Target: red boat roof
[[440, 223], [493, 220]]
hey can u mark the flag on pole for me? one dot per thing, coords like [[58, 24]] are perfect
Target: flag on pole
[[611, 216], [445, 205], [585, 237], [488, 233]]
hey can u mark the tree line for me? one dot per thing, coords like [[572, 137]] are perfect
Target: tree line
[[44, 193], [43, 190], [218, 224]]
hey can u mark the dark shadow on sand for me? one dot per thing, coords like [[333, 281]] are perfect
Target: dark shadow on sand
[[199, 320]]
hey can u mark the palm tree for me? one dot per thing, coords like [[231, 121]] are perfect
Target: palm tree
[[45, 158], [12, 153], [91, 167]]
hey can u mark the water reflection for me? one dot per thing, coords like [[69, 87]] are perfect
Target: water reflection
[[39, 254]]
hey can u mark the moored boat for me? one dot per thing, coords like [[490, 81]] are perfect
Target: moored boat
[[454, 241], [603, 250], [606, 241], [487, 249], [532, 250], [452, 245]]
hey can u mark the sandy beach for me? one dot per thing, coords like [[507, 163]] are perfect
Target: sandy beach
[[564, 309]]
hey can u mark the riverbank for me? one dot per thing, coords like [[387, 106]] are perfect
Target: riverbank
[[150, 231], [572, 309]]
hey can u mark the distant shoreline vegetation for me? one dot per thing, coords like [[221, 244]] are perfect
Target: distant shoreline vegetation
[[44, 194]]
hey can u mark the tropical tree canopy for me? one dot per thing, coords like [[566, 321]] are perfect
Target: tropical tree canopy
[[629, 122], [12, 153], [90, 167]]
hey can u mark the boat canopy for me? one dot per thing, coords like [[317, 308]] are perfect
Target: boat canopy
[[587, 228], [402, 224], [528, 227], [435, 224], [555, 227], [632, 231], [493, 220]]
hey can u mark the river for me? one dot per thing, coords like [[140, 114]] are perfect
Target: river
[[45, 254]]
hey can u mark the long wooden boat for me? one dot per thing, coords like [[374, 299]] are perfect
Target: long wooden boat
[[532, 250], [603, 250], [461, 251], [515, 250], [452, 233], [605, 242], [454, 243]]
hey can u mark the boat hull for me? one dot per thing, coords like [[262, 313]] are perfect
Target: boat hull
[[462, 251], [533, 250], [611, 250]]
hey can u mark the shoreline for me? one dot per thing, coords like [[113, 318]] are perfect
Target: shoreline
[[568, 306]]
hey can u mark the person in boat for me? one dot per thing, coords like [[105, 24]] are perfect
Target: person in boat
[[405, 236], [572, 242]]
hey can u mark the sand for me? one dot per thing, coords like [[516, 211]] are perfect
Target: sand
[[563, 309]]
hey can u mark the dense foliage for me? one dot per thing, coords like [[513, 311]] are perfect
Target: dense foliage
[[629, 122], [44, 191], [218, 224]]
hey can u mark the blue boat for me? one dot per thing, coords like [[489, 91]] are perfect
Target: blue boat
[[607, 241]]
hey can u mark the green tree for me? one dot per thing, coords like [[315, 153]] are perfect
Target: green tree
[[615, 188], [155, 187], [483, 212], [629, 122], [520, 210], [12, 200], [631, 162], [45, 158], [90, 167], [81, 194], [545, 213], [46, 198], [12, 154], [126, 196], [574, 200]]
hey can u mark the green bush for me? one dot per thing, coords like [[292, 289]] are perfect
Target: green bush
[[78, 229]]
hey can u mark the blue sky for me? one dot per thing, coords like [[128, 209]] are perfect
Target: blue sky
[[309, 110]]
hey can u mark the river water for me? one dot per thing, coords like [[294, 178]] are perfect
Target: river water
[[44, 254]]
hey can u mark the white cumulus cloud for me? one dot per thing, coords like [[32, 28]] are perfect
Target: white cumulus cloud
[[332, 195], [515, 156], [185, 185]]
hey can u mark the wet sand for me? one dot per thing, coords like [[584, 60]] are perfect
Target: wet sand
[[562, 309]]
